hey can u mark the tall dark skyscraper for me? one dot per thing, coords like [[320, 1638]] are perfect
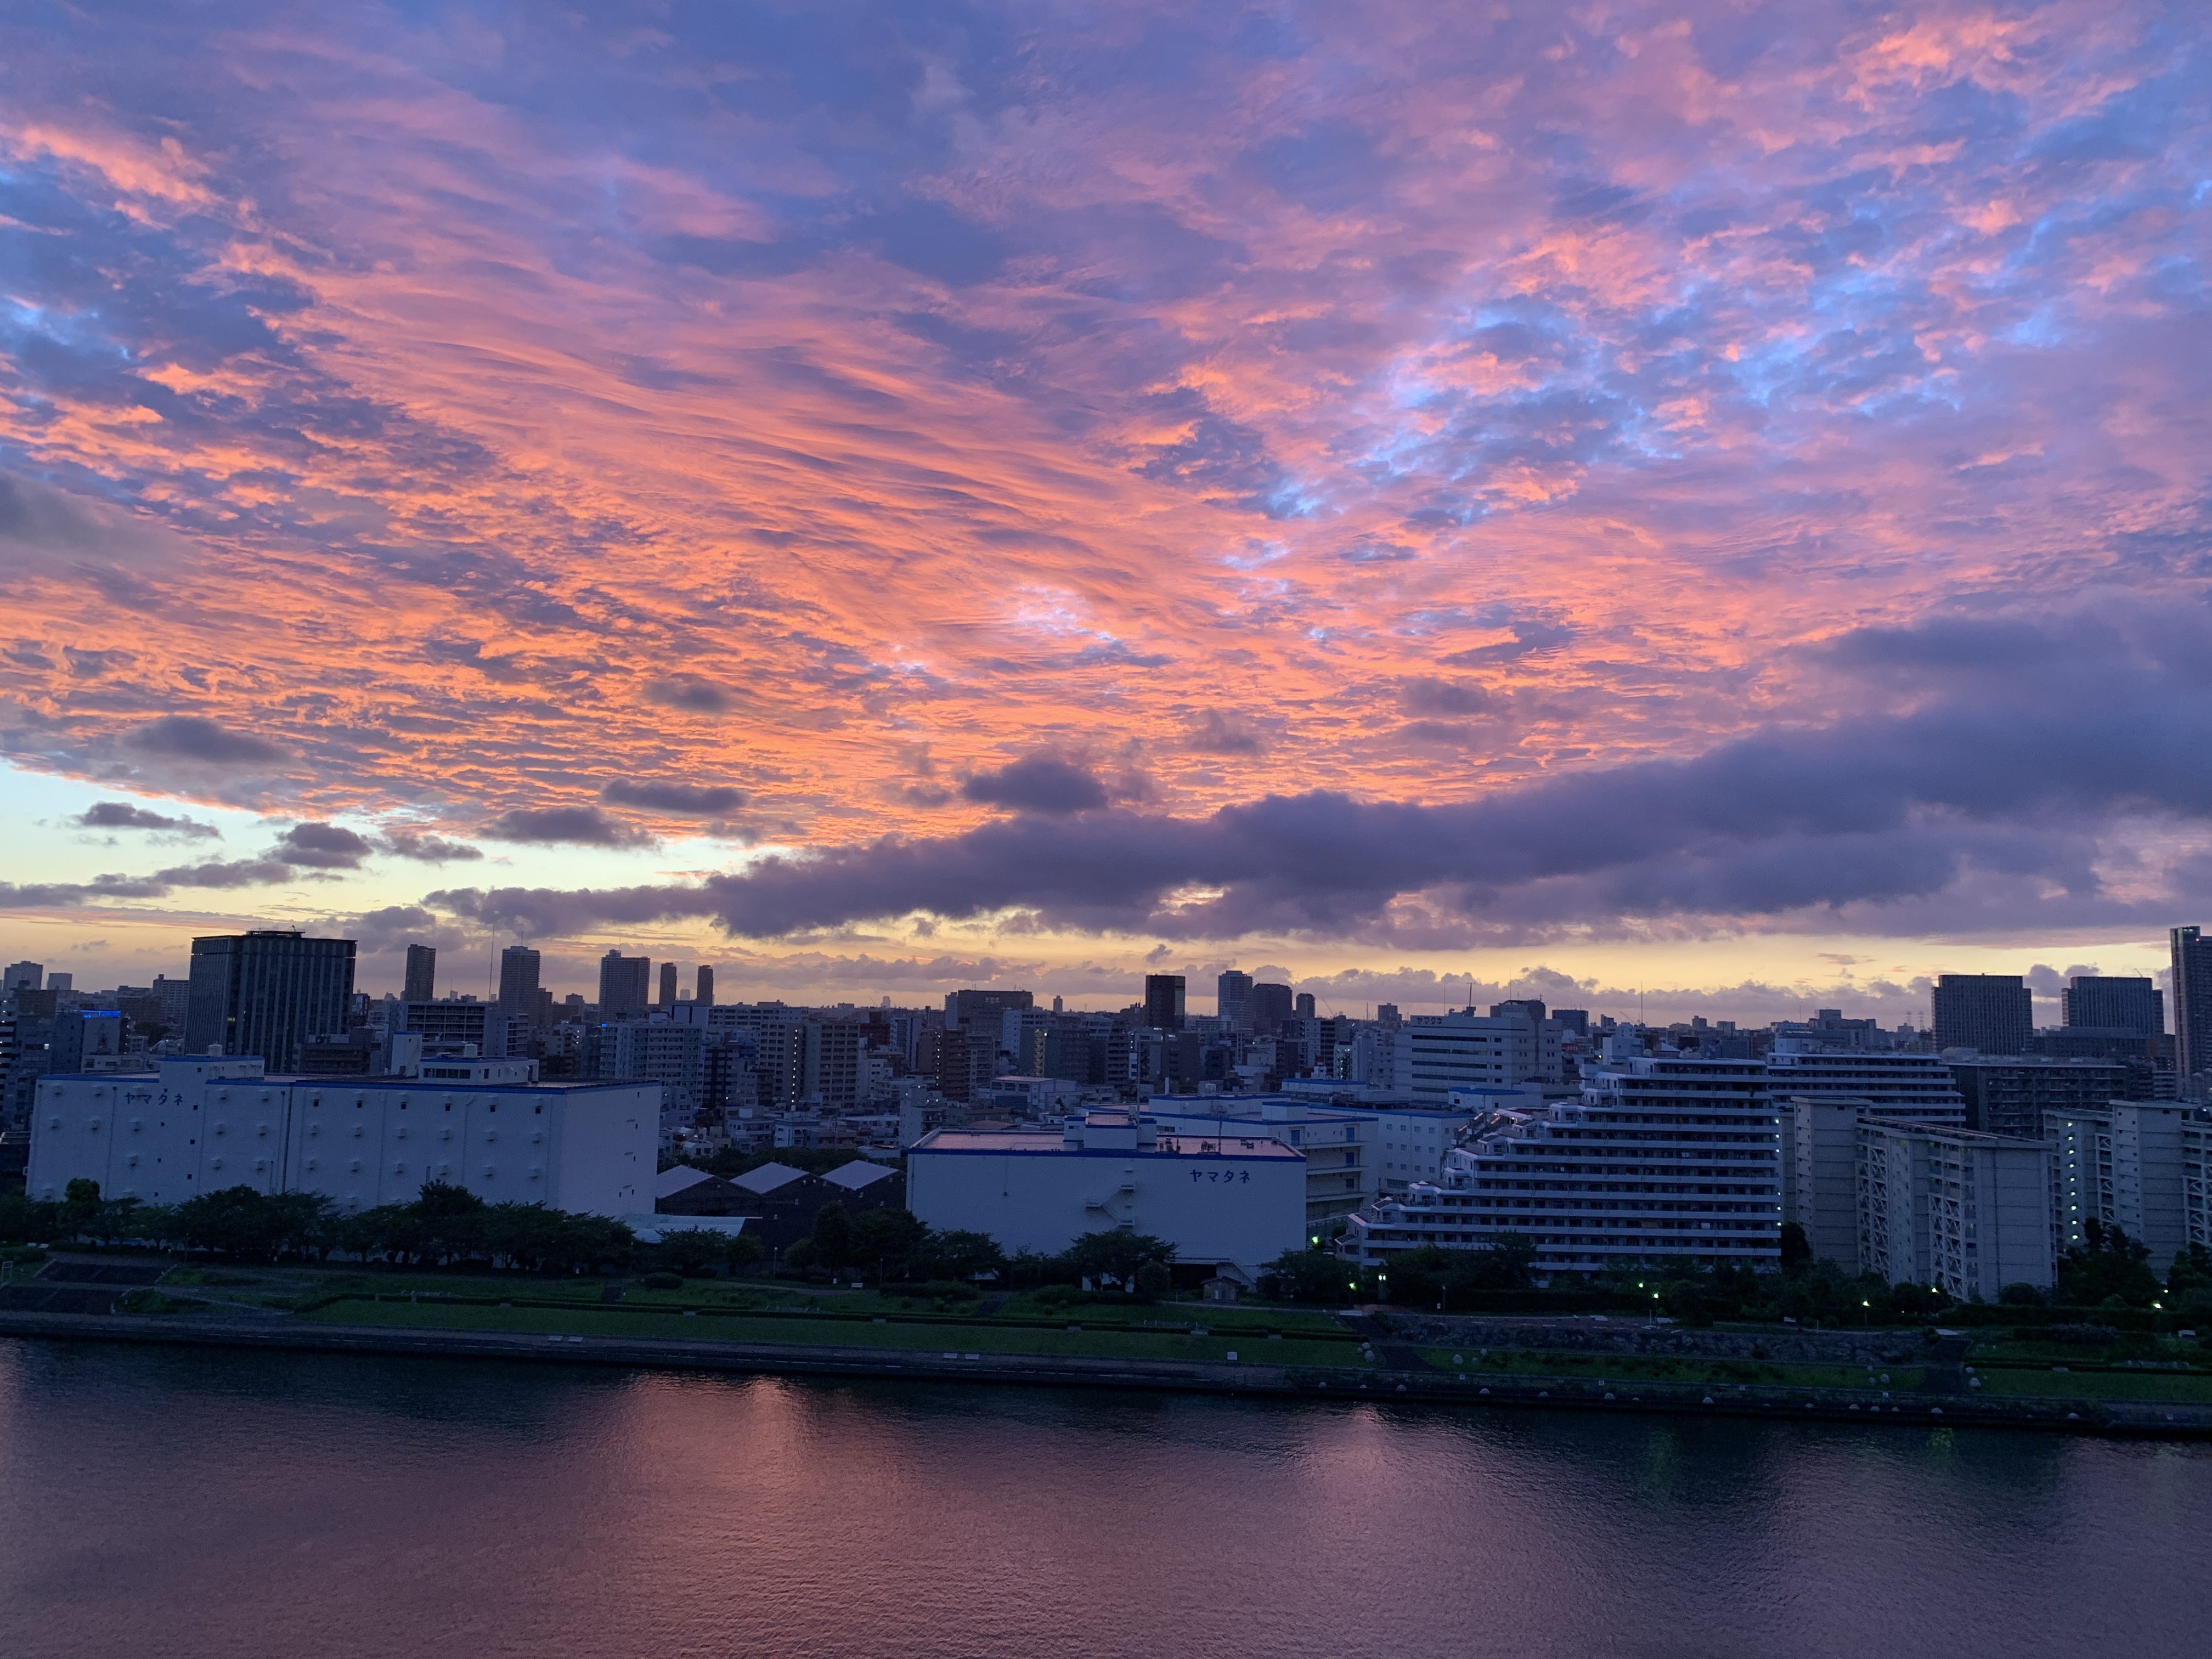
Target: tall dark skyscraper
[[704, 996], [2114, 1005], [962, 1007], [1992, 1013], [518, 980], [625, 983], [668, 985], [1271, 1007], [1232, 999], [2192, 1001], [422, 974], [1164, 994], [1305, 1004], [266, 992]]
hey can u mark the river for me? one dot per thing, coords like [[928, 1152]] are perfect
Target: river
[[167, 1505]]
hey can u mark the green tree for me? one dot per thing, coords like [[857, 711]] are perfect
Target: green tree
[[689, 1250], [957, 1254], [2191, 1270], [1112, 1253], [80, 1206], [27, 1220], [885, 1240], [741, 1250], [833, 1238], [1796, 1248], [1308, 1275], [2106, 1264]]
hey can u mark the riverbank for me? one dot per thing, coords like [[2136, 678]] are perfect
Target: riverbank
[[1385, 1382]]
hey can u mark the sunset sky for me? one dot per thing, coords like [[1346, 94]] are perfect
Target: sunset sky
[[1708, 500]]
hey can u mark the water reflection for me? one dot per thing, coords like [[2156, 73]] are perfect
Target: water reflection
[[182, 1502]]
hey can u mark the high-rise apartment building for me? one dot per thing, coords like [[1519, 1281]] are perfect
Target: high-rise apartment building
[[1164, 999], [625, 982], [1661, 1158], [265, 992], [1992, 1013], [24, 976], [1302, 1008], [2111, 1003], [668, 985], [704, 996], [518, 980], [421, 983], [1232, 1001], [2192, 1003]]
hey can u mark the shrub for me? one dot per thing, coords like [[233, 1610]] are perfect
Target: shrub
[[662, 1281], [1059, 1296]]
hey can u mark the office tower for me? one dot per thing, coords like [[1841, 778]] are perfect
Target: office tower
[[2192, 1002], [1305, 1004], [625, 984], [25, 975], [1992, 1013], [962, 1007], [668, 985], [704, 996], [1271, 1007], [2113, 1004], [265, 992], [1386, 1015], [1164, 1001], [1232, 1001], [422, 974], [61, 981], [518, 980]]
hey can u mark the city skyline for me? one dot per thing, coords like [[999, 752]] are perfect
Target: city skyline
[[1668, 503]]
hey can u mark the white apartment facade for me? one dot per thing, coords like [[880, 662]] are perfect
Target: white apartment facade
[[1957, 1210], [2127, 1164], [1662, 1156]]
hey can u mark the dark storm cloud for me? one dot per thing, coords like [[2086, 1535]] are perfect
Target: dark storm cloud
[[424, 848], [121, 815], [191, 738], [1993, 779], [695, 800], [322, 847], [1037, 783], [583, 826]]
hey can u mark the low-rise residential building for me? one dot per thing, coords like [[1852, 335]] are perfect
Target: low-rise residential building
[[1961, 1212], [204, 1123], [1232, 1200]]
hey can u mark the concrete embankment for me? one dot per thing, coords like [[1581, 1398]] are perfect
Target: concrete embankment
[[1393, 1385]]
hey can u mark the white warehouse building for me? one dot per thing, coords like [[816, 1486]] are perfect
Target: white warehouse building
[[1234, 1200], [204, 1123]]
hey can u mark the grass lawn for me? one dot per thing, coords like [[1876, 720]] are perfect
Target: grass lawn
[[628, 1319], [1634, 1368], [2099, 1385]]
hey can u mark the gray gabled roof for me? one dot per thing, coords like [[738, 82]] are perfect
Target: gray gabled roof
[[767, 1178]]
